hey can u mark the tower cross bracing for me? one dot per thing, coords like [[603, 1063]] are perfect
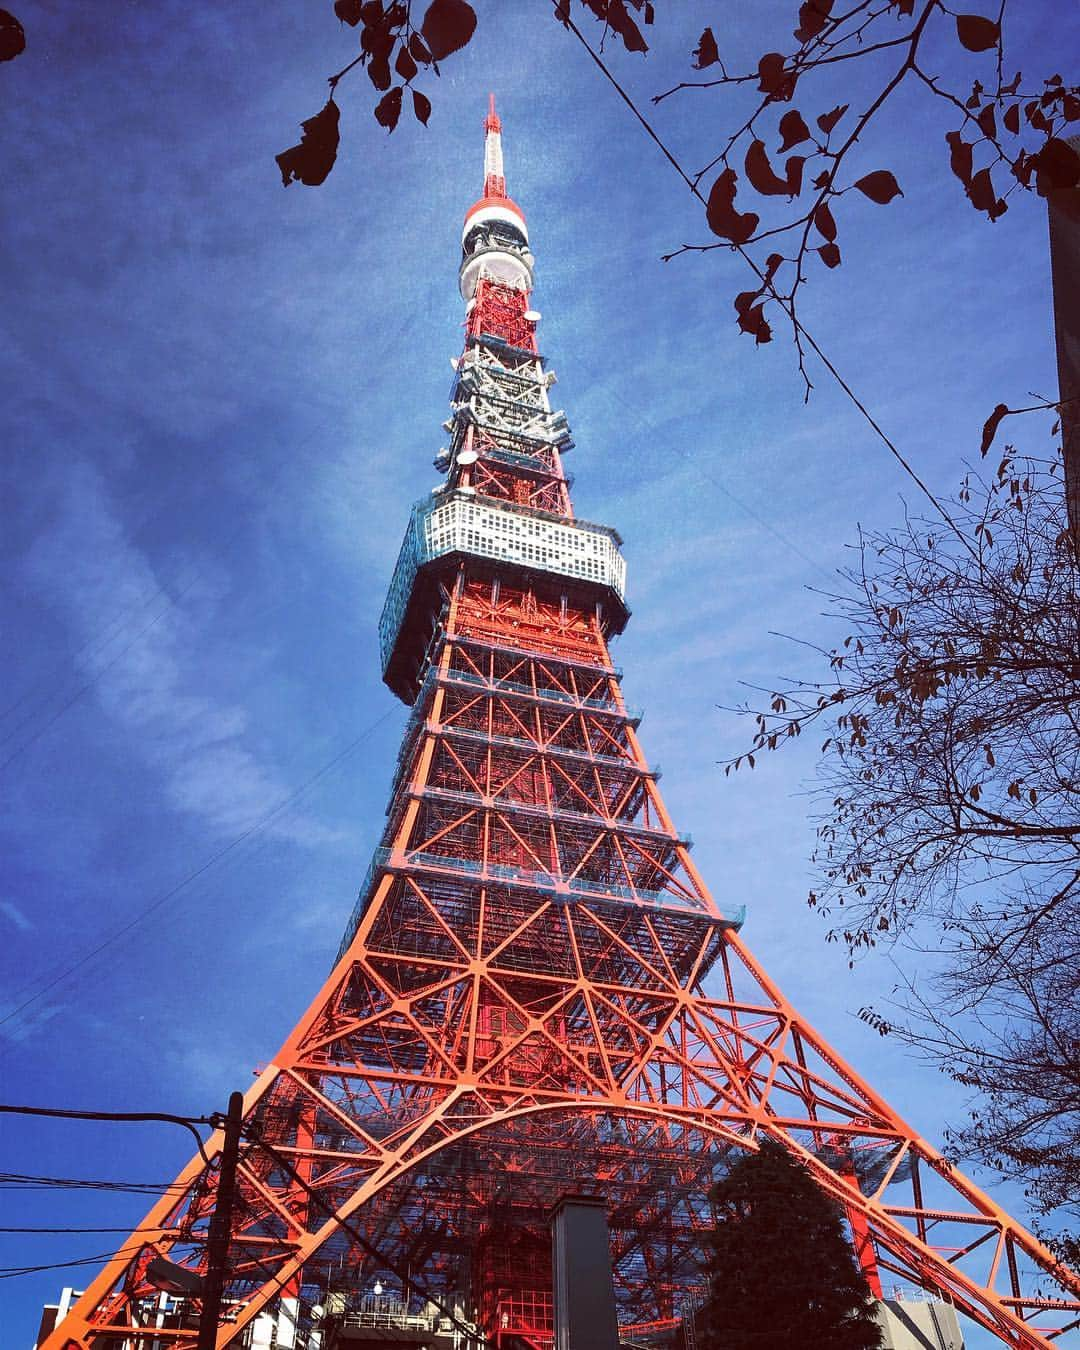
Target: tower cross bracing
[[536, 991]]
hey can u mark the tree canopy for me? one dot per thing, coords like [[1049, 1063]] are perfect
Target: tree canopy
[[782, 1272], [949, 797]]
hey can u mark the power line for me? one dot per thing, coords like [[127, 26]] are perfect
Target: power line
[[13, 1272], [563, 14], [93, 644], [84, 688], [36, 1230], [173, 891], [708, 476], [24, 1181], [117, 625], [369, 1247], [70, 1113], [114, 1117]]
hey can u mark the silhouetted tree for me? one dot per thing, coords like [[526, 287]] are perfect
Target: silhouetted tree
[[950, 795], [782, 1272]]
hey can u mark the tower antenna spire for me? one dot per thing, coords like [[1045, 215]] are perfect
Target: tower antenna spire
[[494, 177]]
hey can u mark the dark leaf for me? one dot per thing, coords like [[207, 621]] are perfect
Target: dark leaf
[[311, 160], [987, 123], [752, 320], [823, 219], [348, 11], [405, 65], [793, 130], [990, 427], [959, 157], [377, 40], [1036, 120], [880, 186], [720, 212], [822, 180], [1012, 118], [378, 69], [828, 120], [418, 51], [793, 168], [421, 106], [813, 16], [388, 109], [976, 96], [905, 7], [650, 13], [371, 12], [772, 262], [829, 255], [12, 36], [706, 53], [448, 25], [983, 197], [1057, 165], [1023, 167], [1070, 107], [760, 172], [976, 33], [773, 79], [621, 22]]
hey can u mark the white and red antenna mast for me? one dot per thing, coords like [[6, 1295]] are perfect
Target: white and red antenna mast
[[494, 178]]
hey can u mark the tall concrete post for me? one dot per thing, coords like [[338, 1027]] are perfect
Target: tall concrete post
[[584, 1294]]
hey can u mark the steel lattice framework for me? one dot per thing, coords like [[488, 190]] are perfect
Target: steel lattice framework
[[519, 1004]]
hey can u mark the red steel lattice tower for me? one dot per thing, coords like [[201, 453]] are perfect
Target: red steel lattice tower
[[536, 992]]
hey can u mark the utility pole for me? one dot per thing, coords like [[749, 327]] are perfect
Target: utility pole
[[1063, 205], [217, 1247]]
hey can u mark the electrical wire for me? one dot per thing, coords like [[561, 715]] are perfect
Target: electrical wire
[[199, 871], [37, 1230], [563, 14], [24, 1181], [70, 1113], [14, 1272], [286, 1166], [267, 486], [93, 644], [85, 687], [697, 467], [126, 1117]]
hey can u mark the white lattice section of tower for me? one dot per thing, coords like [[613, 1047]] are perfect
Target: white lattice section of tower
[[459, 523], [493, 157]]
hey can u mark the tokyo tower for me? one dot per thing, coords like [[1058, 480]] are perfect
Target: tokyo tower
[[536, 993]]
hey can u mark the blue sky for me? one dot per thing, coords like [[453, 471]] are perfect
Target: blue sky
[[222, 397]]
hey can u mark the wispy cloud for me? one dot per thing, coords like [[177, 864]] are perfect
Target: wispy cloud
[[15, 916], [148, 674]]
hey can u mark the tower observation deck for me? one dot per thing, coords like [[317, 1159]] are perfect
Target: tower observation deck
[[536, 992]]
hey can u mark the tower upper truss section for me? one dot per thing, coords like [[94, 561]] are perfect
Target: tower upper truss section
[[504, 502]]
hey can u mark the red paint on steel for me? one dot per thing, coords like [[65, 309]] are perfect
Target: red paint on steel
[[542, 995]]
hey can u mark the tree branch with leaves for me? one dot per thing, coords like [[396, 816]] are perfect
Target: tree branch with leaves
[[400, 41], [949, 796], [1009, 138]]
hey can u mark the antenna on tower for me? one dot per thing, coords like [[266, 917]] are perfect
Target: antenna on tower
[[494, 178]]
